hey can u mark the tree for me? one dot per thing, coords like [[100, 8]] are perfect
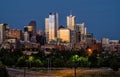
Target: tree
[[83, 61], [21, 62], [1, 64], [30, 61], [33, 62], [114, 64], [75, 60], [93, 60], [115, 61], [7, 60], [79, 61], [38, 63]]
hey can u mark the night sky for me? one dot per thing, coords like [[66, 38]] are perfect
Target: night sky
[[101, 17]]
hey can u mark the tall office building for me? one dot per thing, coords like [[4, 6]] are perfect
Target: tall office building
[[4, 28], [47, 29], [26, 37], [81, 29], [89, 39], [28, 29], [33, 24], [41, 33], [71, 22], [51, 26]]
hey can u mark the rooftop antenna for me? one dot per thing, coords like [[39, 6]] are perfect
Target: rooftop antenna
[[70, 12]]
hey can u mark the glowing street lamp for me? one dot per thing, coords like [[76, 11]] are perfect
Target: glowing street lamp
[[89, 51]]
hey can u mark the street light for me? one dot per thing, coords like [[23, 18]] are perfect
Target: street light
[[26, 53], [49, 66], [75, 59], [75, 67], [49, 61], [24, 66], [89, 51]]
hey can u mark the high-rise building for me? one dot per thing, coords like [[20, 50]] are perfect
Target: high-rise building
[[29, 30], [47, 29], [26, 37], [51, 26], [89, 39], [4, 28], [71, 21], [64, 35], [71, 24], [56, 24], [81, 29], [40, 32], [33, 24]]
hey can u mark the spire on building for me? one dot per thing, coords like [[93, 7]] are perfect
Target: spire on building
[[70, 12]]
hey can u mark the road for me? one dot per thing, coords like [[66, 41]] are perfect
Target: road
[[20, 73]]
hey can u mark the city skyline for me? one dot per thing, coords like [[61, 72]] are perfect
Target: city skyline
[[100, 17]]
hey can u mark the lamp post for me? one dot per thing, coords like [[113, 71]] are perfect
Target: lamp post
[[75, 59], [89, 51], [49, 61], [24, 66], [28, 54], [75, 68], [49, 66], [24, 72]]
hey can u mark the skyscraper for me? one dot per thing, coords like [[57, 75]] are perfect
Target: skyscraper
[[33, 24], [51, 26], [3, 32], [71, 22], [89, 39], [82, 30], [47, 29], [28, 31], [26, 36]]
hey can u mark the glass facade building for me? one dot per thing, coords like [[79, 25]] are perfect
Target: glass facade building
[[4, 28], [64, 35], [51, 27], [71, 22]]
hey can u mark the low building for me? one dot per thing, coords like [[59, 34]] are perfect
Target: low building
[[97, 47], [89, 39], [15, 34]]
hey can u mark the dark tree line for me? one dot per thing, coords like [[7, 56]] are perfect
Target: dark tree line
[[62, 58]]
